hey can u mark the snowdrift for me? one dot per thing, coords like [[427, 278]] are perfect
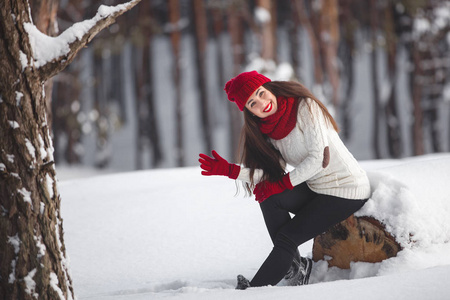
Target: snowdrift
[[172, 232]]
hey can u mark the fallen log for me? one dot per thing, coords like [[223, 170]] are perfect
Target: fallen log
[[357, 239]]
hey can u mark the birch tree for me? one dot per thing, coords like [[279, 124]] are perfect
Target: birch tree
[[33, 262]]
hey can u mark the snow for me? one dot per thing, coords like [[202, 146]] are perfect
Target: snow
[[174, 233], [13, 124], [42, 147], [26, 195], [262, 15], [10, 157], [46, 48], [15, 242], [49, 184], [19, 97], [54, 284], [30, 148], [30, 284], [40, 246]]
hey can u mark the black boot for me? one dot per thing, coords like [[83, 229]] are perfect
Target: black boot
[[242, 283], [299, 272]]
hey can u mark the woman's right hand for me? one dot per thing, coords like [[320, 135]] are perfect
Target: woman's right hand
[[217, 165]]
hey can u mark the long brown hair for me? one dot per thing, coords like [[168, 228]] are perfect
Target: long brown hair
[[256, 152]]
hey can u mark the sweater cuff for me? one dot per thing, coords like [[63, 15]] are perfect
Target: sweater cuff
[[234, 171]]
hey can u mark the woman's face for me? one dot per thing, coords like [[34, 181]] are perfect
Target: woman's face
[[262, 103]]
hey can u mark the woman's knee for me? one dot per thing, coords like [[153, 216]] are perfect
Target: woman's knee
[[285, 242]]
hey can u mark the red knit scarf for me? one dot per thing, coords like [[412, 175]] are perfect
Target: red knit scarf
[[278, 125]]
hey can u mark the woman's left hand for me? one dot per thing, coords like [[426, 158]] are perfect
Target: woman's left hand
[[265, 189]]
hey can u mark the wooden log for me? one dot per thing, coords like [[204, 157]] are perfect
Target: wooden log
[[355, 239]]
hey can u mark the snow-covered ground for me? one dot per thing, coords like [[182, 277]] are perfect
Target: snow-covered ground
[[175, 234]]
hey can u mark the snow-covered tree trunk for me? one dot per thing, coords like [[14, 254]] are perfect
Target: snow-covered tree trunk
[[33, 262]]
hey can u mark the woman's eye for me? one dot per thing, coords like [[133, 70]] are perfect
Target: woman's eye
[[260, 94]]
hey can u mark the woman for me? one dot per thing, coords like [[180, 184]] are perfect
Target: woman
[[286, 125]]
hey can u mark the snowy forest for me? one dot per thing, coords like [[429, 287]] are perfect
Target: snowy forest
[[123, 86], [148, 91]]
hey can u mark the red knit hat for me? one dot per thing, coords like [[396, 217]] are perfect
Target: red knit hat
[[241, 87]]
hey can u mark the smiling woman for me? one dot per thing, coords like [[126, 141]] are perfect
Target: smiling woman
[[284, 123]]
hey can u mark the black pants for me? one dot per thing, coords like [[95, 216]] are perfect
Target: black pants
[[314, 214]]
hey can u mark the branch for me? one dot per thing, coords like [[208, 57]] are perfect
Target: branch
[[52, 55]]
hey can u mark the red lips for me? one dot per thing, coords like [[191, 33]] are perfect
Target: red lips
[[268, 107]]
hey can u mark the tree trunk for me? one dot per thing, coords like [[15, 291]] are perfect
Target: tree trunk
[[218, 28], [98, 115], [235, 28], [201, 39], [175, 36], [44, 15], [375, 84], [31, 233], [307, 24], [392, 118], [329, 40], [65, 109], [416, 90], [294, 44], [356, 239], [267, 31], [33, 260], [349, 27]]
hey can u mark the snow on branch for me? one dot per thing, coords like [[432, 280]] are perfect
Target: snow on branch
[[52, 54]]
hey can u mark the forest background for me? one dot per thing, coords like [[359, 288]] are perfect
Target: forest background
[[148, 92]]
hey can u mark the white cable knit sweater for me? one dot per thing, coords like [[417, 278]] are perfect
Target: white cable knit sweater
[[319, 157]]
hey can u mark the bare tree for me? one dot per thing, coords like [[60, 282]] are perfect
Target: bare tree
[[236, 32], [268, 27], [349, 26], [308, 25], [175, 37], [373, 13], [392, 119], [147, 131], [201, 39], [328, 37], [294, 39], [33, 260]]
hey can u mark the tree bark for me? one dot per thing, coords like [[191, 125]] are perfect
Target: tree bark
[[33, 260], [44, 15]]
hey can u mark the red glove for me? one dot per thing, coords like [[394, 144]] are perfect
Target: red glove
[[218, 166], [265, 189]]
